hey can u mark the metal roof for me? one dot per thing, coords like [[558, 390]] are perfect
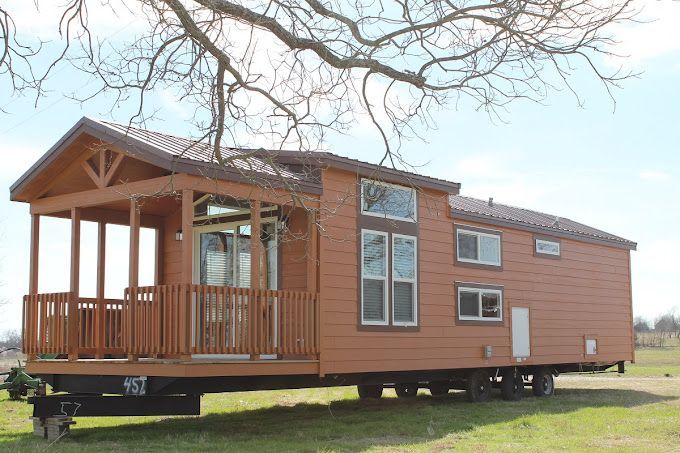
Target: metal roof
[[186, 155], [186, 148], [496, 213]]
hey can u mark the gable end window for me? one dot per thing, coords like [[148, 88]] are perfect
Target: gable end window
[[388, 201], [547, 247], [479, 304], [475, 246]]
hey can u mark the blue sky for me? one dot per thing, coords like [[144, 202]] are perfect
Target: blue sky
[[615, 170]]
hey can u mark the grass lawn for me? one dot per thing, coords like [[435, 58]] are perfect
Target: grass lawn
[[639, 411]]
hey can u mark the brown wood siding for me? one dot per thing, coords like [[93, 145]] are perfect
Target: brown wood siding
[[293, 253], [584, 294], [172, 250]]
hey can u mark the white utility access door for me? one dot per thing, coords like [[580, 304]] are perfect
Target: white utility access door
[[520, 332]]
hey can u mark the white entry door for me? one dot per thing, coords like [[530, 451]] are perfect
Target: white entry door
[[520, 332]]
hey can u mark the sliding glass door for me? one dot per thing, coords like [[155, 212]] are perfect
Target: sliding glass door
[[222, 255]]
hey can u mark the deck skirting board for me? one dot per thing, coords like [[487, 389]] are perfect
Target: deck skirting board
[[173, 368]]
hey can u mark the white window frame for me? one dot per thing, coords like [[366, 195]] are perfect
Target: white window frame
[[479, 234], [414, 280], [479, 292], [547, 241], [386, 321], [389, 216]]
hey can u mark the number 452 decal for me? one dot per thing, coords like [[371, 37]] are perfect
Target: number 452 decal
[[135, 385]]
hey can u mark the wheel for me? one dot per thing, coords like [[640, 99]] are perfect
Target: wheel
[[478, 386], [512, 385], [370, 391], [406, 390], [543, 383], [439, 388]]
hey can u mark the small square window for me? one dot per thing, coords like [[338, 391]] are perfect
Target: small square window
[[591, 346], [547, 247]]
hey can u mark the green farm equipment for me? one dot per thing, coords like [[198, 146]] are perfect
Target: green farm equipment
[[17, 383]]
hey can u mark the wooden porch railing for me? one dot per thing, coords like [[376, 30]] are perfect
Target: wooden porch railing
[[176, 320], [199, 319], [46, 324]]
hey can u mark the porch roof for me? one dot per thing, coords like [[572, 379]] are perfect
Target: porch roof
[[171, 153], [185, 155]]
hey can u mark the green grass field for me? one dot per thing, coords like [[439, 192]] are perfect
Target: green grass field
[[639, 411]]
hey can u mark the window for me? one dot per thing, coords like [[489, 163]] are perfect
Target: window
[[373, 277], [388, 200], [480, 304], [404, 294], [591, 346], [388, 260], [478, 247], [547, 247]]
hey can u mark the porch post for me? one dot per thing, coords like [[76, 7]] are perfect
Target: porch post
[[185, 321], [73, 315], [255, 252], [312, 252], [35, 250], [187, 236], [133, 280], [255, 244], [134, 244], [160, 256], [101, 279], [33, 272]]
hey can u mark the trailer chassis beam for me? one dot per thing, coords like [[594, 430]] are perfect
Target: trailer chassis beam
[[70, 405]]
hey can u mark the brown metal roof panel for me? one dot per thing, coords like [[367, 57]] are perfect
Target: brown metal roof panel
[[199, 151], [321, 158], [482, 209]]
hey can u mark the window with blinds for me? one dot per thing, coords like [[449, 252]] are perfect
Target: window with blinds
[[404, 280], [373, 278], [384, 262]]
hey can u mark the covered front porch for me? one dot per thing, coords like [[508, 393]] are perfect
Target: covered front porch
[[235, 277]]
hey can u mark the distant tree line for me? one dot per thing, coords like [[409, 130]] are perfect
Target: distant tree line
[[10, 338], [656, 333]]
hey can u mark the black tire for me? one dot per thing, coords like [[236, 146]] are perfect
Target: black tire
[[370, 391], [439, 388], [478, 387], [543, 383], [512, 385], [406, 390]]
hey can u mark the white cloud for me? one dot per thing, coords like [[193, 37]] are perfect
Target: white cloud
[[104, 20], [654, 175], [658, 33]]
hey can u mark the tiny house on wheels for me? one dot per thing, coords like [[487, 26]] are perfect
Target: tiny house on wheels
[[278, 270]]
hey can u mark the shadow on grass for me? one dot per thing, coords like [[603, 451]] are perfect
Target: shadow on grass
[[346, 424]]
